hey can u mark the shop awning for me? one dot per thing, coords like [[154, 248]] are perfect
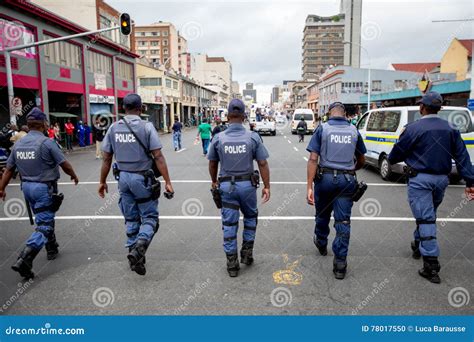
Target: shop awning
[[63, 115], [103, 113]]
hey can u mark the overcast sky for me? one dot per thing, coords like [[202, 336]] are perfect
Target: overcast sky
[[262, 39]]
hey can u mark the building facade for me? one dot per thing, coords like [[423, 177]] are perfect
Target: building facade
[[249, 91], [159, 43], [78, 79], [352, 10], [348, 85], [458, 59], [214, 73]]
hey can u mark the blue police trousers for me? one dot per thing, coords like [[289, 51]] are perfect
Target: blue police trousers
[[139, 211], [334, 194], [425, 194], [240, 196], [39, 195]]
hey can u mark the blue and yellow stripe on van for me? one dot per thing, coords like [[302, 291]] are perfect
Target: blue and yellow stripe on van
[[381, 139], [392, 139]]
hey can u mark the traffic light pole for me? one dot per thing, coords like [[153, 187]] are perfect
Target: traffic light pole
[[7, 54]]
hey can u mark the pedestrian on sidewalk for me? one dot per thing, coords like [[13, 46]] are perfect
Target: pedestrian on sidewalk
[[204, 131], [177, 128], [81, 134], [99, 134], [301, 129], [69, 128]]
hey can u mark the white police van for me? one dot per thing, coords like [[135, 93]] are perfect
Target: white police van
[[380, 128]]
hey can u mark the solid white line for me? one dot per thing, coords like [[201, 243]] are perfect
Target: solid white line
[[276, 183], [284, 136], [295, 148], [305, 158], [183, 149], [267, 218], [289, 141]]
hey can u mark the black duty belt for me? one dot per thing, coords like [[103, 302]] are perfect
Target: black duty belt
[[337, 172], [234, 178]]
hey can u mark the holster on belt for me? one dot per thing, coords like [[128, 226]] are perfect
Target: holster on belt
[[155, 184], [359, 192], [255, 179], [115, 171], [216, 196], [57, 201], [409, 171]]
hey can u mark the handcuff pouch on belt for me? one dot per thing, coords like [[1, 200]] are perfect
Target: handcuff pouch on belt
[[255, 179]]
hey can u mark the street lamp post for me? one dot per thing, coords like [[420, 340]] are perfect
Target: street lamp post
[[369, 81]]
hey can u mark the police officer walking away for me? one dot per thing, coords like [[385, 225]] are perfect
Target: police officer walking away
[[331, 167], [428, 147], [235, 149], [37, 159], [136, 147]]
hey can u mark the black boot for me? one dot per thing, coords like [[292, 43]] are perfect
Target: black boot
[[246, 253], [323, 250], [415, 247], [136, 257], [24, 263], [233, 266], [51, 248], [339, 268], [430, 269]]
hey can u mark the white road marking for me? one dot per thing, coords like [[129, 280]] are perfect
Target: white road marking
[[284, 136], [305, 158], [268, 218], [295, 148], [183, 149], [289, 141], [190, 181]]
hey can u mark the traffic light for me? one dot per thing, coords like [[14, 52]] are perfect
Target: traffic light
[[125, 24]]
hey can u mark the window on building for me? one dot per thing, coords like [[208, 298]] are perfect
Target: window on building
[[142, 43], [376, 85], [155, 43], [175, 85], [150, 81], [154, 52], [168, 83], [99, 63], [125, 70], [104, 23], [165, 33], [62, 53], [165, 51], [165, 42], [155, 33], [400, 84]]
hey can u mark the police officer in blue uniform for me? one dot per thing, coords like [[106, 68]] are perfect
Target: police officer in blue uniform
[[37, 159], [336, 152], [428, 147], [136, 147], [235, 149]]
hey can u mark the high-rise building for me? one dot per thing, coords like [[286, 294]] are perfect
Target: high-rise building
[[275, 97], [323, 40], [352, 10], [216, 74], [159, 44], [250, 91]]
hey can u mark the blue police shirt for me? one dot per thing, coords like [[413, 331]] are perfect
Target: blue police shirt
[[134, 158], [315, 142], [428, 145], [259, 151], [51, 155]]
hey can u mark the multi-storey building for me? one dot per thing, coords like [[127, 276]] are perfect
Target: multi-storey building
[[214, 73], [250, 91], [74, 79], [159, 43], [324, 37]]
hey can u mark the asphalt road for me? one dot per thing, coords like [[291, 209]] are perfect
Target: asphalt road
[[186, 272]]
